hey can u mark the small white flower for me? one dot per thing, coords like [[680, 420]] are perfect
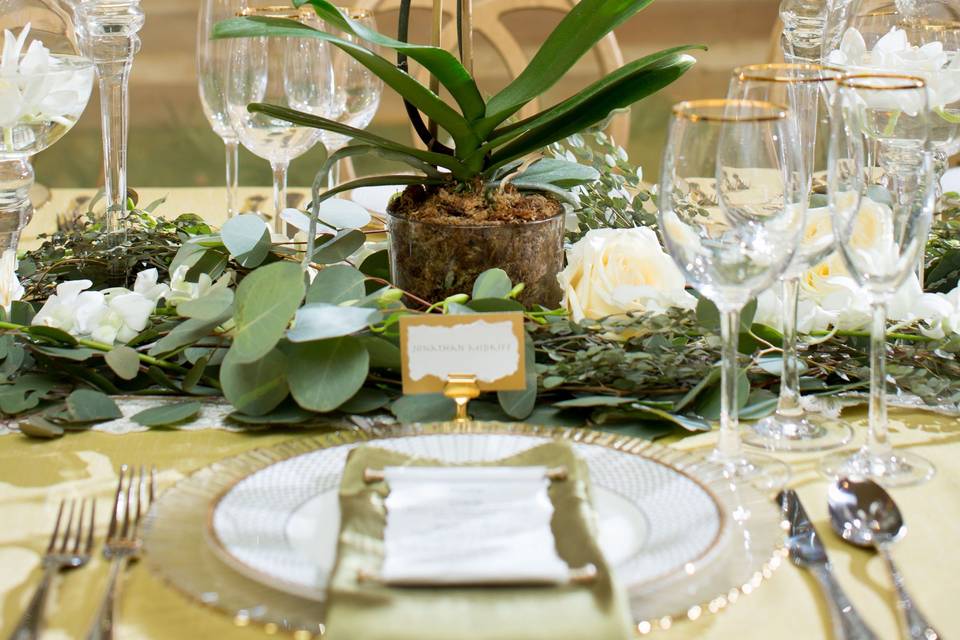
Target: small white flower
[[60, 309], [147, 286], [614, 271], [10, 287], [180, 290]]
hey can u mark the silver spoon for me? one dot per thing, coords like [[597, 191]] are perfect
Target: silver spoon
[[865, 515]]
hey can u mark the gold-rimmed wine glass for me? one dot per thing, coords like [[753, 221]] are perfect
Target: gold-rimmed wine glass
[[731, 212], [808, 90], [882, 198]]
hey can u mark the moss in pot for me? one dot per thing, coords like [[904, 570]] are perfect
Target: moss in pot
[[478, 201]]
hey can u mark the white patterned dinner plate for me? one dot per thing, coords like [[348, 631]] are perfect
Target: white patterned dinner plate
[[256, 534], [280, 524]]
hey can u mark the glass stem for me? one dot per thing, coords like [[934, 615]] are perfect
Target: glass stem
[[279, 193], [789, 401], [729, 444], [233, 175], [114, 76], [877, 440], [16, 178]]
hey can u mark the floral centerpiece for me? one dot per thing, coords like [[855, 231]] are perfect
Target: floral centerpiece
[[478, 200]]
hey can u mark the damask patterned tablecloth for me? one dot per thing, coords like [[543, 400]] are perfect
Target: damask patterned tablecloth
[[35, 475]]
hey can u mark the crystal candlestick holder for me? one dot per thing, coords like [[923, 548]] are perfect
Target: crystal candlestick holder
[[108, 34]]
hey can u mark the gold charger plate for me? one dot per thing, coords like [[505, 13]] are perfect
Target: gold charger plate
[[183, 545]]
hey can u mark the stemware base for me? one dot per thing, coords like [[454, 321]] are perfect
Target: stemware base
[[763, 472], [891, 469], [803, 431]]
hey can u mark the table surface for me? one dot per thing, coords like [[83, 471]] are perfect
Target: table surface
[[35, 475]]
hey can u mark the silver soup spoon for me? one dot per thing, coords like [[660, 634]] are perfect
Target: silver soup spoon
[[865, 515]]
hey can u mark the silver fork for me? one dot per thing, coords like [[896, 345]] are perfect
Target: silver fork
[[69, 551], [123, 539]]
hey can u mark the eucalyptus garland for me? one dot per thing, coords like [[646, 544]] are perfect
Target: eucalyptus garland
[[285, 354]]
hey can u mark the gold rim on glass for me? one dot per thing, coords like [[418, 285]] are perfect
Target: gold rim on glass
[[274, 11], [779, 72], [860, 81], [721, 110]]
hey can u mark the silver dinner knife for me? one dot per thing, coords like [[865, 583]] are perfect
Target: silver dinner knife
[[807, 551]]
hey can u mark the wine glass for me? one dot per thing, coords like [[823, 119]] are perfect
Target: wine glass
[[807, 89], [356, 90], [731, 211], [44, 87], [803, 24], [213, 65], [882, 198], [285, 71], [908, 37]]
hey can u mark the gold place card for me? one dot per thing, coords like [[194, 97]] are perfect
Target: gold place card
[[489, 346]]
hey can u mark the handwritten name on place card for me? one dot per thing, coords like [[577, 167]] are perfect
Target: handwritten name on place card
[[486, 345]]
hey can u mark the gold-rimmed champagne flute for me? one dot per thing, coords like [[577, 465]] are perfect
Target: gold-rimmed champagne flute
[[279, 70], [808, 90], [731, 212], [881, 186]]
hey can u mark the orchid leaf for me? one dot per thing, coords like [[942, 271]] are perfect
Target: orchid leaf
[[439, 62], [585, 25], [418, 95]]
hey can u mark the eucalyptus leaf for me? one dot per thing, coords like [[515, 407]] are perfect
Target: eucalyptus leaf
[[493, 283], [255, 388], [185, 333], [266, 301], [341, 213], [325, 374], [286, 413], [167, 414], [78, 354], [493, 305], [428, 407], [124, 361], [520, 404], [337, 284], [211, 306], [709, 405], [366, 400], [340, 247], [52, 334], [376, 265], [86, 405], [319, 321], [196, 372], [247, 238], [383, 353], [593, 401], [38, 427]]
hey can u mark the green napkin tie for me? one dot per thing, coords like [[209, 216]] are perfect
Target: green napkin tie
[[365, 610]]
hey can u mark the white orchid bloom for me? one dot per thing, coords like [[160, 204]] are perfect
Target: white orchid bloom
[[35, 86], [180, 290], [108, 316], [10, 287]]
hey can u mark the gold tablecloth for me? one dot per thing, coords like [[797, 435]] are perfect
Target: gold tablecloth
[[35, 475]]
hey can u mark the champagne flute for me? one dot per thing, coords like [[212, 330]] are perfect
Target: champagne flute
[[213, 66], [356, 91], [807, 89], [731, 204], [881, 196], [803, 25], [283, 71]]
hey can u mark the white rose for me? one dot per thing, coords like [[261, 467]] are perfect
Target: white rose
[[613, 271]]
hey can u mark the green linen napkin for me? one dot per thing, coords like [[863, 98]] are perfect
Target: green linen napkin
[[370, 611]]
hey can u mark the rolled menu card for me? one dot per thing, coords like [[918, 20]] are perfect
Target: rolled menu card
[[470, 525], [516, 601]]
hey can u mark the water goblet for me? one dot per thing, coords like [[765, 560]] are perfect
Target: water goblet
[[213, 67], [803, 24], [808, 90], [44, 87], [882, 198], [356, 91], [280, 70], [731, 212]]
